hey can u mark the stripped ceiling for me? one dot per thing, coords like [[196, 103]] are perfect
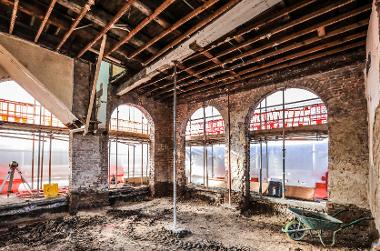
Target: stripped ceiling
[[144, 33]]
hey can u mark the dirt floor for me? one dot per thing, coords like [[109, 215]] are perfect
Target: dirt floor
[[144, 226]]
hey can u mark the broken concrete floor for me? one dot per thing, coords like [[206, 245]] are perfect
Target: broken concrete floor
[[143, 226]]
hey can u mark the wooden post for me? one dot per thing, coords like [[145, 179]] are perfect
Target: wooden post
[[93, 91]]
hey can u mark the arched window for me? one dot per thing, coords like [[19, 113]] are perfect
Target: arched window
[[33, 137], [129, 146], [289, 146], [205, 148]]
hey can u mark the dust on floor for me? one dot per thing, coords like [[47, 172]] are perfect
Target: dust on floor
[[144, 226]]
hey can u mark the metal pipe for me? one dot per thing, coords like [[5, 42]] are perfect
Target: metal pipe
[[174, 148], [142, 163], [39, 153], [229, 149], [266, 159], [266, 142], [50, 147], [116, 147], [261, 158], [42, 160], [128, 169], [283, 144], [205, 166], [109, 162], [212, 161], [134, 161], [147, 162], [190, 157], [261, 169], [33, 149]]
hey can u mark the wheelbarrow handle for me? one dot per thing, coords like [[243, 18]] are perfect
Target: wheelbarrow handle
[[339, 212], [356, 222]]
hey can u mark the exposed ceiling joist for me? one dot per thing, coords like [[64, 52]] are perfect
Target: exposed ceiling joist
[[164, 88], [175, 26], [230, 19], [141, 25], [82, 14], [116, 18], [45, 20], [14, 16], [98, 18]]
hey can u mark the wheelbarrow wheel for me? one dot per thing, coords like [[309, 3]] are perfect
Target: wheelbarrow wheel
[[294, 230]]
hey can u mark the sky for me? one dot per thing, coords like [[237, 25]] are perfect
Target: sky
[[10, 90]]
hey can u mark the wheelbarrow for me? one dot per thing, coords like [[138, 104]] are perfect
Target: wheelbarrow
[[308, 222]]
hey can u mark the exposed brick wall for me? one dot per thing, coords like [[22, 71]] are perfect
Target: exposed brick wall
[[160, 115], [88, 157], [82, 89], [342, 89]]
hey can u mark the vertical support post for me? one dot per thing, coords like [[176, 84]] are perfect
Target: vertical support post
[[116, 146], [212, 161], [261, 156], [229, 149], [266, 141], [174, 148], [93, 90], [191, 160], [39, 152], [266, 159], [147, 162], [134, 162], [205, 168], [128, 169], [283, 145], [50, 147], [261, 168], [33, 146], [109, 162], [33, 150], [142, 163], [42, 160]]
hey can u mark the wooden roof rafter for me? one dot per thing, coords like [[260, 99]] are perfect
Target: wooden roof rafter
[[230, 59], [105, 29], [141, 25], [45, 20], [254, 51], [14, 16], [82, 14]]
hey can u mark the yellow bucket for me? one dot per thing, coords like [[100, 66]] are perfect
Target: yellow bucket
[[51, 190]]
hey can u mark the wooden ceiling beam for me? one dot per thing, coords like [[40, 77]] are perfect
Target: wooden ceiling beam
[[293, 46], [175, 26], [251, 72], [258, 25], [82, 14], [194, 29], [143, 8], [278, 42], [14, 16], [34, 11], [94, 17], [45, 20], [233, 86], [282, 28], [141, 25], [192, 73], [106, 28]]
